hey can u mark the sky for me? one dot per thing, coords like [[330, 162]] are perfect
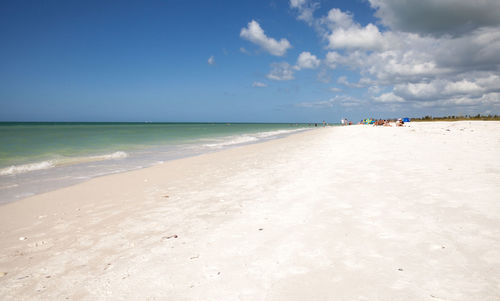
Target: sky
[[248, 61]]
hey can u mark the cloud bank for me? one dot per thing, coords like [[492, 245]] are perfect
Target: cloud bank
[[431, 53]]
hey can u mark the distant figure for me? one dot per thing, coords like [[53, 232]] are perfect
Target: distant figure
[[400, 122], [324, 123], [342, 121], [316, 124]]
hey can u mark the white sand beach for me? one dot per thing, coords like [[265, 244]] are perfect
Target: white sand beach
[[337, 213]]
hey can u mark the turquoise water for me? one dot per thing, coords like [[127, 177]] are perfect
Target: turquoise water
[[39, 157], [22, 143]]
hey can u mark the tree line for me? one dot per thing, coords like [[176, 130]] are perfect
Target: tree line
[[456, 118]]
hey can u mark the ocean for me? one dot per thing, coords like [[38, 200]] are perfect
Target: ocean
[[39, 157]]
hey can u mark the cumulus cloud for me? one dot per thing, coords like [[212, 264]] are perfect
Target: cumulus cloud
[[332, 59], [281, 71], [437, 17], [305, 9], [474, 90], [338, 18], [307, 60], [342, 32], [431, 53], [444, 88], [211, 60], [368, 37], [388, 98], [255, 34], [342, 100], [413, 58], [259, 85]]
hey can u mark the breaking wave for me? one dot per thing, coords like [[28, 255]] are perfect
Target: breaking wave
[[23, 168], [16, 169], [247, 138]]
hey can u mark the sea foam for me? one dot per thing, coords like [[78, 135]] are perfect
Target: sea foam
[[16, 169], [23, 168], [247, 138], [232, 141]]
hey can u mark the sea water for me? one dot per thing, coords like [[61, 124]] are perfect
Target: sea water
[[39, 157]]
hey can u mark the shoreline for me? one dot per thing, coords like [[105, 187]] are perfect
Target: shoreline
[[342, 212], [53, 174]]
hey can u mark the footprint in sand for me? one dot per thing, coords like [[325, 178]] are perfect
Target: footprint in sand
[[41, 245]]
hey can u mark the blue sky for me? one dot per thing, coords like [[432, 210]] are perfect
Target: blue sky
[[257, 61]]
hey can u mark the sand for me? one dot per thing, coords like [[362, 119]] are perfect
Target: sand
[[342, 213]]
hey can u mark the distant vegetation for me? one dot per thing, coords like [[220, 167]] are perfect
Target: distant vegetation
[[456, 118]]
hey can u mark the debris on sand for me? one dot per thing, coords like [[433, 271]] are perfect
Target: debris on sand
[[169, 237]]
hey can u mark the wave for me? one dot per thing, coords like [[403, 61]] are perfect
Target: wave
[[115, 155], [23, 168], [278, 132], [16, 169], [247, 138], [231, 141]]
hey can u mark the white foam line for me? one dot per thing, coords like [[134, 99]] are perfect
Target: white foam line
[[23, 168]]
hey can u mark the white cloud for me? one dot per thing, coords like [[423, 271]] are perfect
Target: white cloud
[[374, 89], [355, 37], [343, 33], [337, 18], [338, 100], [259, 85], [445, 88], [462, 87], [211, 60], [488, 99], [305, 9], [281, 71], [332, 59], [388, 98], [255, 34], [362, 83], [335, 89], [429, 55], [307, 60], [297, 3]]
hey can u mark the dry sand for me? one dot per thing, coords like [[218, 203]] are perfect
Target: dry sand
[[351, 213]]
